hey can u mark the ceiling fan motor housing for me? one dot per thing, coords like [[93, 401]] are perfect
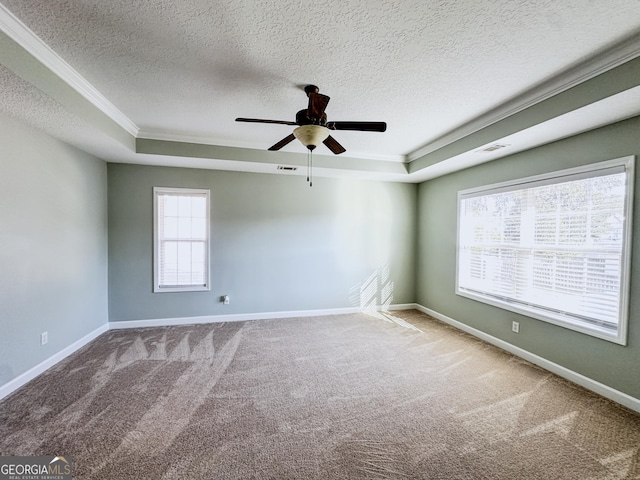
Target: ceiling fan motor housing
[[303, 118]]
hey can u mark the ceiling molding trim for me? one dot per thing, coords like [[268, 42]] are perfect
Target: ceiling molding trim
[[27, 39], [164, 135], [151, 134], [613, 57]]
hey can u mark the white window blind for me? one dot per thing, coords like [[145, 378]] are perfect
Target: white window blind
[[181, 253], [554, 247]]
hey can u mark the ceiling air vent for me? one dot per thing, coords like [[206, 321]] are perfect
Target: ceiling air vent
[[288, 169], [493, 148]]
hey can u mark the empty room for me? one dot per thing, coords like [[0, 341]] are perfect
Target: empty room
[[319, 240]]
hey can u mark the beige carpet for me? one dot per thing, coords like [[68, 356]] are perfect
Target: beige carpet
[[335, 397]]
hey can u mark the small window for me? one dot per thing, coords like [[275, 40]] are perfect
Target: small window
[[555, 247], [181, 239]]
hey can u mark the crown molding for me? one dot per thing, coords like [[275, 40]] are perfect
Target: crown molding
[[27, 39], [600, 63], [596, 65], [151, 134]]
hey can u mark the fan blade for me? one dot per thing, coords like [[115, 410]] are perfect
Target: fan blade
[[282, 143], [259, 120], [333, 145], [360, 126], [317, 103]]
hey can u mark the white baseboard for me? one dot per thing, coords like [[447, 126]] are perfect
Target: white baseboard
[[236, 317], [241, 317], [575, 377], [32, 373]]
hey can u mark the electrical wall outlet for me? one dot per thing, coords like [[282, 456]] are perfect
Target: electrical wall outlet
[[44, 338], [225, 299], [515, 327]]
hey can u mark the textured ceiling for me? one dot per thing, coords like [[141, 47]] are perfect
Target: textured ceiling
[[187, 69]]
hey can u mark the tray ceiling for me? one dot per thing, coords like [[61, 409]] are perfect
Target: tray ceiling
[[179, 73]]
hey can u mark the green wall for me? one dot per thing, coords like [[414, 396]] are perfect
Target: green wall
[[53, 246], [603, 361], [276, 244]]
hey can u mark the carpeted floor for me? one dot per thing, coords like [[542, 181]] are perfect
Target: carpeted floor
[[334, 397]]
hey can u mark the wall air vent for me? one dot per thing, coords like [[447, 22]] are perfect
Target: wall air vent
[[493, 148], [286, 168]]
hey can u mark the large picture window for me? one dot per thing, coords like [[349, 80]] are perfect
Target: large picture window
[[555, 247], [181, 239]]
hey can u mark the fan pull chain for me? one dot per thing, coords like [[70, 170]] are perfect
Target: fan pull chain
[[310, 167]]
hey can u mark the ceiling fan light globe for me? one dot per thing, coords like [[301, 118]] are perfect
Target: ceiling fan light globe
[[311, 135]]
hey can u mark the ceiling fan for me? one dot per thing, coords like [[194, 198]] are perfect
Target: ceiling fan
[[313, 126]]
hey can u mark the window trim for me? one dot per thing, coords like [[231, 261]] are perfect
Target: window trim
[[628, 164], [157, 288]]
